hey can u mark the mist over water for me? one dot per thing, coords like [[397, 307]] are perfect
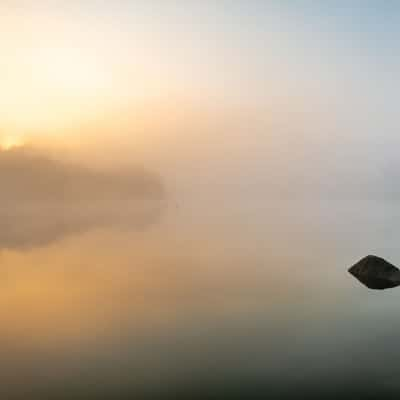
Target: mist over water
[[45, 199], [215, 289], [182, 191]]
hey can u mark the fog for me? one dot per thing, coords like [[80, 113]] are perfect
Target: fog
[[225, 254], [182, 191], [45, 199]]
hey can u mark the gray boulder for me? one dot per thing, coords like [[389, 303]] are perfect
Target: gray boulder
[[376, 273]]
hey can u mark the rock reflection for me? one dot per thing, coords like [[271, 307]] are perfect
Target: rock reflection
[[376, 273]]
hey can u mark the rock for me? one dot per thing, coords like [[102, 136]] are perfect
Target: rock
[[376, 273]]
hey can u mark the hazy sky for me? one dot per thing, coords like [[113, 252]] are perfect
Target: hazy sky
[[234, 85]]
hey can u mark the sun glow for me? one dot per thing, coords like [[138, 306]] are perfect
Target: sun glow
[[10, 142]]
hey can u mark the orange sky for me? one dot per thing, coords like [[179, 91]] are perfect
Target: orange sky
[[162, 85]]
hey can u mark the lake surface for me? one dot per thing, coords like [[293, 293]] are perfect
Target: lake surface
[[231, 299]]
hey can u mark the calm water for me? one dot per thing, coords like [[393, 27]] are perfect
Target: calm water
[[232, 298]]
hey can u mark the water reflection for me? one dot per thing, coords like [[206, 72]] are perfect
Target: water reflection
[[39, 226], [44, 200], [230, 302]]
